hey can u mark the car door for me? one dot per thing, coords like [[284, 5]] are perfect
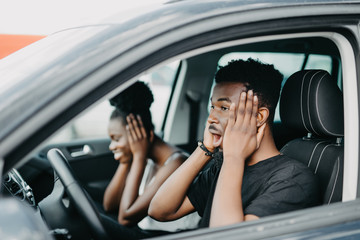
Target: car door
[[90, 159]]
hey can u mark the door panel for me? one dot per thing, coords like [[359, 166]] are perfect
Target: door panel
[[94, 168]]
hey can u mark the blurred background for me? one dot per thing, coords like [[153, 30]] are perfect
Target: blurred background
[[25, 21]]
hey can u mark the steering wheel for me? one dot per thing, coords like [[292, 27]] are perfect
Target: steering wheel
[[82, 202]]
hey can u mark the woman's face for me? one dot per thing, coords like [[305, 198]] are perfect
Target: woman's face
[[119, 141]]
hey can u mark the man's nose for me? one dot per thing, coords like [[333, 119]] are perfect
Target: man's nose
[[213, 118]]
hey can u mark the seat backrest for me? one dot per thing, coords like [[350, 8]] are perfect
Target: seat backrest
[[311, 101]]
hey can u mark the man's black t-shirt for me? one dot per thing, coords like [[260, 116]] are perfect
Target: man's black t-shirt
[[275, 185]]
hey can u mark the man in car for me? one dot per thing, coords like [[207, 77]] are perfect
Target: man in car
[[248, 178]]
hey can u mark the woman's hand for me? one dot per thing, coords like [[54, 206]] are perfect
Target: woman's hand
[[138, 139], [242, 137]]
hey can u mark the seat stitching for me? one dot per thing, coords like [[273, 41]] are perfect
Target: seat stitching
[[317, 110], [318, 163], [308, 102], [336, 178], [312, 154], [301, 98]]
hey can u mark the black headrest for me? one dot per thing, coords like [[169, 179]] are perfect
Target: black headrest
[[311, 101]]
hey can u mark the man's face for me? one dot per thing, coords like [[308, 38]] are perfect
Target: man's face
[[223, 95]]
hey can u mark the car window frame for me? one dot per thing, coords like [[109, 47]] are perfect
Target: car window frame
[[351, 117]]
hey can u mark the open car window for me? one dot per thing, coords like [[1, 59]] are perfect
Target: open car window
[[93, 123]]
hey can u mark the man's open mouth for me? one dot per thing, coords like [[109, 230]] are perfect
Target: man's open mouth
[[217, 136], [217, 139]]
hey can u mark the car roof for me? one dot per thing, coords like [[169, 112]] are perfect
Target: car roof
[[42, 72]]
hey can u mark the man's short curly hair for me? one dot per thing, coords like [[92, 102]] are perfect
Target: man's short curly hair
[[136, 99], [262, 78]]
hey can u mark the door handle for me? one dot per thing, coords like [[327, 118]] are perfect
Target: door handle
[[86, 150]]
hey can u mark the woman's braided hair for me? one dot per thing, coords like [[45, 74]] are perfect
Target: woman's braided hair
[[137, 100]]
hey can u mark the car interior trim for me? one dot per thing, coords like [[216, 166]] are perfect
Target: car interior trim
[[174, 102], [351, 116]]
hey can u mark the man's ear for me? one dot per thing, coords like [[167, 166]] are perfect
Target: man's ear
[[262, 117]]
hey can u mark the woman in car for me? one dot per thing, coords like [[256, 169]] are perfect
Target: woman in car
[[145, 162]]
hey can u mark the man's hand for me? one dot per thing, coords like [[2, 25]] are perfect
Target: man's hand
[[138, 139], [208, 138], [242, 138]]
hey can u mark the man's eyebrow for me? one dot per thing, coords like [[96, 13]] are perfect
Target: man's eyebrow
[[224, 99]]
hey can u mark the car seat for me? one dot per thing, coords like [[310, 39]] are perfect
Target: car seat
[[311, 101]]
